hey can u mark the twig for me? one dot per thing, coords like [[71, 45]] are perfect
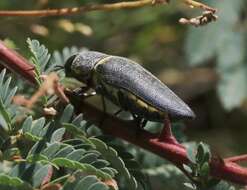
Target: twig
[[97, 7], [196, 4], [226, 170], [77, 10]]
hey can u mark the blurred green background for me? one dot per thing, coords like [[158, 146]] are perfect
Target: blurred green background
[[206, 66]]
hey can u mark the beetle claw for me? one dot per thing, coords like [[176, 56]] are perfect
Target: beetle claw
[[83, 92], [118, 112]]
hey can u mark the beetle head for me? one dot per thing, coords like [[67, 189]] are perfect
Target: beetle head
[[81, 66]]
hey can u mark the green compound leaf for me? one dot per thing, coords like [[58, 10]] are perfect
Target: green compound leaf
[[67, 114], [203, 153], [205, 170], [37, 130], [86, 182], [190, 186], [33, 174], [10, 181], [199, 169], [112, 156], [7, 110], [40, 55], [34, 130], [37, 126], [191, 154], [64, 155], [87, 168], [98, 186], [57, 136], [89, 182], [187, 168], [40, 59], [224, 186], [42, 175], [74, 129], [200, 153], [27, 124]]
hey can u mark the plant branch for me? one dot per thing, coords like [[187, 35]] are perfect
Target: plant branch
[[96, 7], [77, 10], [175, 153], [240, 158], [16, 63], [225, 169], [196, 4]]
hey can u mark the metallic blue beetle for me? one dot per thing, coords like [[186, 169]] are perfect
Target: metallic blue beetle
[[128, 85]]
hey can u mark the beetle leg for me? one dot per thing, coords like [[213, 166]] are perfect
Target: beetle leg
[[143, 123], [104, 110], [137, 120], [88, 95], [103, 104], [82, 92], [118, 112], [166, 133], [99, 90]]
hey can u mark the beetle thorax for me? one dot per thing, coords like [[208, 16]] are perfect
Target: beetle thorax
[[83, 64]]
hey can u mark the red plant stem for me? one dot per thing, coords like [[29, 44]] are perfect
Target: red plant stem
[[16, 63], [126, 130], [240, 158], [174, 153]]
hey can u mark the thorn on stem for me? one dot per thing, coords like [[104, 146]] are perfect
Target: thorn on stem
[[166, 133]]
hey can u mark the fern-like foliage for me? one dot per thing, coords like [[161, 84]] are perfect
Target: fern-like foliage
[[40, 57], [7, 110], [129, 169], [89, 182], [52, 151], [10, 181]]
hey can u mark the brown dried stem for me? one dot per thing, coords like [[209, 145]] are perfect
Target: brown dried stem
[[97, 7], [195, 4]]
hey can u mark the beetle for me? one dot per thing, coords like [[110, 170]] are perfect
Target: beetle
[[128, 85]]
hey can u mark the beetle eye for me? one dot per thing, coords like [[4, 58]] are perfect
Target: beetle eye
[[78, 60]]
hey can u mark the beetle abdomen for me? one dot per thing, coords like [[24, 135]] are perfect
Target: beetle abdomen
[[143, 109], [123, 73], [130, 102]]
